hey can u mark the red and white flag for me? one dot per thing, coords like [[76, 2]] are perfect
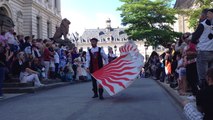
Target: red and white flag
[[121, 72]]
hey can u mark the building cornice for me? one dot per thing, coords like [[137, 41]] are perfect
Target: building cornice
[[184, 4], [19, 2], [47, 11]]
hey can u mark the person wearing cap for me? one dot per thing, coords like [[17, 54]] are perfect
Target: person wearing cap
[[203, 37], [94, 61]]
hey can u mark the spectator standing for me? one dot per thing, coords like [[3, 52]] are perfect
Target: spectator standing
[[168, 67], [181, 70], [28, 46], [11, 39], [3, 39], [203, 15], [2, 69], [180, 45], [191, 68], [56, 61], [204, 34], [21, 40], [111, 55], [47, 58], [75, 55], [35, 52]]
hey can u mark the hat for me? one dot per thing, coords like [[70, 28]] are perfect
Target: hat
[[95, 39], [210, 10]]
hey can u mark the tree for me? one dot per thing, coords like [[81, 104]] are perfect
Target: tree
[[150, 20], [194, 14]]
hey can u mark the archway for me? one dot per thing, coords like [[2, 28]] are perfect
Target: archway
[[5, 22]]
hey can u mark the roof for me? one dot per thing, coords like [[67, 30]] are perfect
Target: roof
[[184, 4], [114, 33]]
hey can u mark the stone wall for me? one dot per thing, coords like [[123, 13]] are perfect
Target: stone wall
[[24, 14]]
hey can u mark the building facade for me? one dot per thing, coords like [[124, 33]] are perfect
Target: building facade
[[105, 35], [32, 17], [109, 37], [182, 24]]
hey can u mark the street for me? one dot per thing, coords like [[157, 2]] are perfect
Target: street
[[143, 100]]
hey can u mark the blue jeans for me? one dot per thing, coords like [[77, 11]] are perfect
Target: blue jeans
[[2, 77], [204, 61]]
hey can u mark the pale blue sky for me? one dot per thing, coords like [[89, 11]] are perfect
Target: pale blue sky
[[90, 14]]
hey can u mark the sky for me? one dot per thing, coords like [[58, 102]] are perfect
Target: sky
[[90, 14]]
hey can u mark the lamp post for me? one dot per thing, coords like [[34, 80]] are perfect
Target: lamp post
[[115, 48]]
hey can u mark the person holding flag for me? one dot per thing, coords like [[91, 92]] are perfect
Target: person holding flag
[[94, 62], [121, 72]]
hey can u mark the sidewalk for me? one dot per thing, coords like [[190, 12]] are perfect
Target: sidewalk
[[37, 89], [173, 93]]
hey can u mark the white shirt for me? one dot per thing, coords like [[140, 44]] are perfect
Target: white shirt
[[56, 57], [10, 38], [112, 55], [180, 62], [205, 44], [181, 47], [93, 50]]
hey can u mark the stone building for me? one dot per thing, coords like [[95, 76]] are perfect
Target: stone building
[[182, 24], [105, 35], [109, 37], [31, 17]]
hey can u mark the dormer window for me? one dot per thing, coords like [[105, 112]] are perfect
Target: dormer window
[[121, 32], [101, 33]]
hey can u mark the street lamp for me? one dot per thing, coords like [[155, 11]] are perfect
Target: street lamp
[[115, 48]]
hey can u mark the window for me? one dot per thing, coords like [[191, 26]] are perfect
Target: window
[[121, 32], [108, 39], [38, 27], [55, 3], [101, 33], [112, 38], [48, 30]]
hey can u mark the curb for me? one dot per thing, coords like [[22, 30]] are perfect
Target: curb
[[172, 93], [8, 96]]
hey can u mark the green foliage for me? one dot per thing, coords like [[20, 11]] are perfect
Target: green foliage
[[194, 15], [150, 20]]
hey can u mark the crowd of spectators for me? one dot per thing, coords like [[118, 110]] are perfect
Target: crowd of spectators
[[185, 64], [36, 60]]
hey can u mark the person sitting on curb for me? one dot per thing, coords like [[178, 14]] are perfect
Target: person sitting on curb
[[204, 102], [27, 74]]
